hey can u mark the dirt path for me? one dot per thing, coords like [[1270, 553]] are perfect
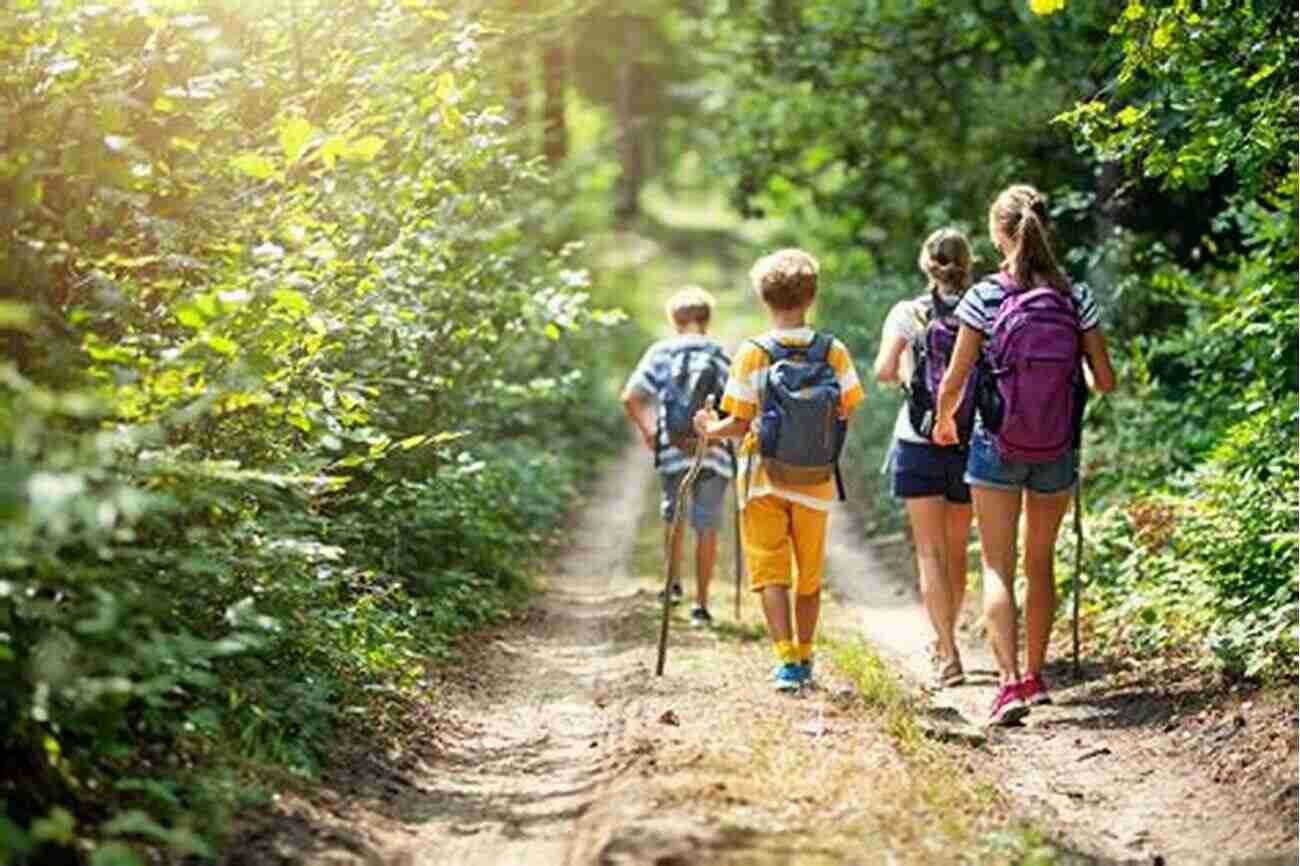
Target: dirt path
[[1122, 767], [535, 751], [552, 744]]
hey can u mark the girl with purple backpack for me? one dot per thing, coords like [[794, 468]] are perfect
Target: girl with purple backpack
[[915, 346], [1028, 331]]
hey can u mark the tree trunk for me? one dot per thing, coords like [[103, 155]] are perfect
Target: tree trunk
[[518, 79], [631, 147], [555, 136]]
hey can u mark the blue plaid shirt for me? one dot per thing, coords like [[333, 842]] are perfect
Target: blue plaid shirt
[[650, 378]]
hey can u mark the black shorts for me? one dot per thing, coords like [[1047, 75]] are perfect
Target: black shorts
[[930, 470]]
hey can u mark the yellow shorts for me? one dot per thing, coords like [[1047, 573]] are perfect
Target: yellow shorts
[[781, 538]]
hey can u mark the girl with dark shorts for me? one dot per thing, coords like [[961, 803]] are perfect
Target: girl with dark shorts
[[929, 477]]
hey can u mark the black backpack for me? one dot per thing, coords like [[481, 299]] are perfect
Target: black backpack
[[932, 350]]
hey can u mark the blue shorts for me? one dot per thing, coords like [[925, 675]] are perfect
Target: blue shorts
[[923, 469], [706, 499], [987, 468]]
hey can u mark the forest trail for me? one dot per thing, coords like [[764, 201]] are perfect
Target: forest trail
[[552, 743]]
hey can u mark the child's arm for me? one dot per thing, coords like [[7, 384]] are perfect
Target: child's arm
[[1098, 369], [710, 426], [964, 356], [886, 366], [638, 411], [895, 335]]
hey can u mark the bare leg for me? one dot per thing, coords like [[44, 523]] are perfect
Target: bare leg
[[998, 512], [807, 610], [959, 520], [1043, 514], [776, 608], [706, 555], [929, 531]]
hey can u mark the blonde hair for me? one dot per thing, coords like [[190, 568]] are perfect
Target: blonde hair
[[786, 279], [945, 260], [1019, 217], [690, 305]]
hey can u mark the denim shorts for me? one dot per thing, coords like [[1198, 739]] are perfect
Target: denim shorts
[[706, 499], [987, 468], [923, 469]]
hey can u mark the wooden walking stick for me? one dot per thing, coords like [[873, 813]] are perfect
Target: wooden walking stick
[[740, 559], [1078, 563], [674, 532]]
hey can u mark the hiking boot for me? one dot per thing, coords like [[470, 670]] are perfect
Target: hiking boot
[[948, 672], [1008, 707], [806, 669], [1033, 691], [789, 677], [700, 618], [675, 594]]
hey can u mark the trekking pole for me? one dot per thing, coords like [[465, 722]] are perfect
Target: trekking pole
[[674, 532], [740, 559], [1078, 563]]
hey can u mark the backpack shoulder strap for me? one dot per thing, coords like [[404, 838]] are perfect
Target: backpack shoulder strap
[[819, 349], [772, 347], [684, 352]]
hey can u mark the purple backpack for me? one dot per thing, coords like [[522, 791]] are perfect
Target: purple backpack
[[1034, 352], [931, 351]]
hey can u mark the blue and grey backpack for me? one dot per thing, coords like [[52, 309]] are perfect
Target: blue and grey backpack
[[800, 432], [693, 377]]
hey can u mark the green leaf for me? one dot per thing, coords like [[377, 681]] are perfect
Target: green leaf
[[190, 317], [58, 826], [332, 150], [115, 854], [137, 822], [254, 165], [551, 331], [224, 345], [1259, 76], [292, 300], [293, 139], [365, 148], [445, 88], [1046, 7], [15, 316], [1164, 35]]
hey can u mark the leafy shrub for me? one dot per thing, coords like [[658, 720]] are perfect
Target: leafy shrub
[[296, 392], [1210, 567]]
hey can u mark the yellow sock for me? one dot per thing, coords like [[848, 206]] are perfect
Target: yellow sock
[[786, 652], [805, 651]]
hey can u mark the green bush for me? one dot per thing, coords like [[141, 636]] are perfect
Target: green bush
[[1207, 570], [298, 386]]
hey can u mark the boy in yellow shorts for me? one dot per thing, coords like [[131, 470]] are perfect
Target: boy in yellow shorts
[[788, 397]]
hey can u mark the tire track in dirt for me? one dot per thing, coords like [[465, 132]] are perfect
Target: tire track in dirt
[[1106, 766]]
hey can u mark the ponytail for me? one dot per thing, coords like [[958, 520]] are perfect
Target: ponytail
[[1019, 216], [946, 261]]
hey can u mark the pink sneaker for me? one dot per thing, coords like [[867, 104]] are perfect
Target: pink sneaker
[[1033, 691], [1008, 707]]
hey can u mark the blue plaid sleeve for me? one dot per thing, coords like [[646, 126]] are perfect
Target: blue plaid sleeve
[[648, 377]]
